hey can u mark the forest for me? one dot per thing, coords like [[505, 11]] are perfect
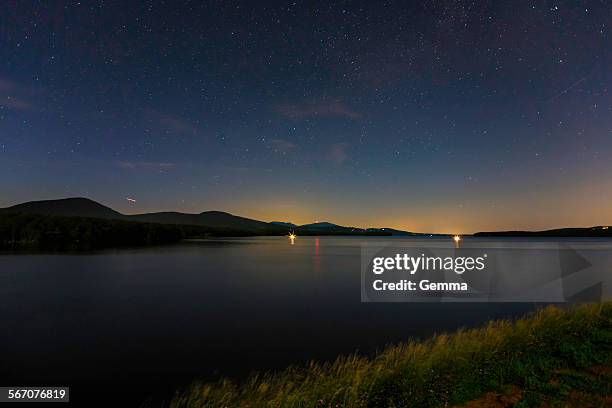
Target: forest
[[33, 231]]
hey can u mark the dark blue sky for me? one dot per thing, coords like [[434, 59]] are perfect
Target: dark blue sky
[[453, 116]]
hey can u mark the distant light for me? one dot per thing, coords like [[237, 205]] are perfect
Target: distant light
[[292, 237], [131, 200], [604, 227], [457, 238]]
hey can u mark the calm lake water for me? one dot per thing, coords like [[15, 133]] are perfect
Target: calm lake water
[[129, 324]]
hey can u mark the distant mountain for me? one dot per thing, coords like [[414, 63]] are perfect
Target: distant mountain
[[599, 231], [392, 231], [214, 222], [284, 224], [321, 225], [328, 228], [67, 207]]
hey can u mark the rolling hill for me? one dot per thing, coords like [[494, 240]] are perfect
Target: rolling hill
[[220, 223], [327, 228], [65, 207], [284, 224], [216, 222], [599, 231]]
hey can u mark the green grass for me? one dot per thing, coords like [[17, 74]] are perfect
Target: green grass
[[553, 357]]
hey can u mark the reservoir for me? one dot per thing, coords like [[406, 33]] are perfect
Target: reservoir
[[139, 323]]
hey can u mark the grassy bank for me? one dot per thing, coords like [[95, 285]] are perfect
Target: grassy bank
[[555, 357]]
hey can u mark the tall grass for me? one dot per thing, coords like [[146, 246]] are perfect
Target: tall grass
[[444, 370]]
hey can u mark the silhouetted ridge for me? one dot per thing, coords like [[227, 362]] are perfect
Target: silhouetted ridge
[[67, 207], [288, 225], [318, 225], [214, 219], [208, 222], [599, 231]]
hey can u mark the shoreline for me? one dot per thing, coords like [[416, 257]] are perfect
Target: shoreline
[[503, 358]]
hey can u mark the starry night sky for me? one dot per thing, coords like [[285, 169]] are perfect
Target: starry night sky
[[447, 117]]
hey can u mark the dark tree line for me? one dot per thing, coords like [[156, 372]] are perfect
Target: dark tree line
[[42, 231], [34, 231]]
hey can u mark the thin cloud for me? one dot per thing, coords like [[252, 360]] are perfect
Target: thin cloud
[[319, 109], [172, 123], [337, 152], [13, 96], [282, 146], [146, 165], [11, 102], [6, 85]]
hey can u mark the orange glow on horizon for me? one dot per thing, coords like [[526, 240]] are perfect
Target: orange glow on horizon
[[586, 205]]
